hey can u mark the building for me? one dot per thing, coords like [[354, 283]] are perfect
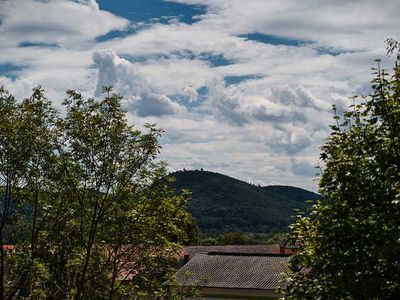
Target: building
[[284, 248], [236, 275]]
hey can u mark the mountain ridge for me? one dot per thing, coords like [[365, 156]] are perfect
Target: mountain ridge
[[221, 203]]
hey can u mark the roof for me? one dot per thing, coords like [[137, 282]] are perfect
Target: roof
[[234, 271], [193, 250], [8, 247]]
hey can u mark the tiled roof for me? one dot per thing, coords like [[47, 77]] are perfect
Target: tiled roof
[[193, 250], [233, 271]]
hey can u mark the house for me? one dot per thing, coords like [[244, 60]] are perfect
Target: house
[[236, 275], [191, 251], [283, 248]]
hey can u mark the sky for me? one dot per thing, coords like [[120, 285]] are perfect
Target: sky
[[244, 88]]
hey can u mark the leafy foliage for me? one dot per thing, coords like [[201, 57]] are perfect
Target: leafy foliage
[[223, 204], [85, 202], [349, 244], [242, 238]]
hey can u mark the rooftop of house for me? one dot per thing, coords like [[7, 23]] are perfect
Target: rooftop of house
[[191, 251], [236, 271]]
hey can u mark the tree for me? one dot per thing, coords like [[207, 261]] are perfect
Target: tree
[[93, 214], [26, 148], [12, 164], [349, 243]]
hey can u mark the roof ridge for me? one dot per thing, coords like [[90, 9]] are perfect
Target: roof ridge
[[245, 254]]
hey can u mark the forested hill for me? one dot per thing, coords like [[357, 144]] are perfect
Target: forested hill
[[222, 204]]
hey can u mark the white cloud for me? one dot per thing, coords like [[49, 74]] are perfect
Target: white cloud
[[91, 3], [245, 152], [177, 75], [59, 36], [303, 168], [65, 23], [338, 24], [141, 96], [266, 129], [19, 88]]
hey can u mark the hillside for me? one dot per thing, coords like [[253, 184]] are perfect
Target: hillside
[[222, 204]]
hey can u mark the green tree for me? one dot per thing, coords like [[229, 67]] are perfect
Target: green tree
[[124, 214], [38, 121], [12, 165], [86, 201], [25, 145], [234, 238], [349, 243]]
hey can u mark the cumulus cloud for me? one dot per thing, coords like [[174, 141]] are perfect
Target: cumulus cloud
[[190, 92], [275, 105], [242, 152], [288, 139], [65, 23], [298, 96], [20, 88], [338, 24], [265, 128], [91, 3], [225, 103], [302, 168], [127, 79]]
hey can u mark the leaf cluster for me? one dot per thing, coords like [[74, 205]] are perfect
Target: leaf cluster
[[86, 203], [349, 243]]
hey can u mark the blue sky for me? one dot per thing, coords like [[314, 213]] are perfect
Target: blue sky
[[240, 87], [154, 10]]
